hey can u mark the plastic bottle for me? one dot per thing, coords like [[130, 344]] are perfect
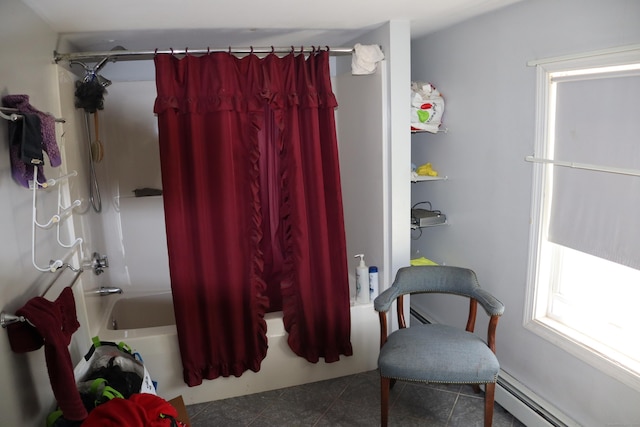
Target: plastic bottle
[[362, 281], [373, 282]]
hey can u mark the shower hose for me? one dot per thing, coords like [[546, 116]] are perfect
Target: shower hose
[[94, 189]]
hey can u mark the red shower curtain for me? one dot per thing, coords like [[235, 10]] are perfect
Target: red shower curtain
[[253, 208]]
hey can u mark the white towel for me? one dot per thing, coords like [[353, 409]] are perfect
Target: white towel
[[364, 59]]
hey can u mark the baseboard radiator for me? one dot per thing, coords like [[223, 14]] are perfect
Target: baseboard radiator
[[529, 408]]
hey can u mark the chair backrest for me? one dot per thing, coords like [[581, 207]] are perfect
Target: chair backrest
[[439, 279], [436, 278]]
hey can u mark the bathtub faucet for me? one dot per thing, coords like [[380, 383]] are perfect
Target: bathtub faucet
[[108, 290], [99, 263]]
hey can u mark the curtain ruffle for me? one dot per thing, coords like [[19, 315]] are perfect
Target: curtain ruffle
[[198, 96], [317, 321]]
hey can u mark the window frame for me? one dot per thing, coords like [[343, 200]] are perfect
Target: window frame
[[538, 295]]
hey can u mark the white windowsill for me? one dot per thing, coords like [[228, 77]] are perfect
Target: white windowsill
[[573, 342]]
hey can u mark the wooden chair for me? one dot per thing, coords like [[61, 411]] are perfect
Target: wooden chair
[[435, 353]]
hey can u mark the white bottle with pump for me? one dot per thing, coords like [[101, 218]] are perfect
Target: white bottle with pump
[[362, 281]]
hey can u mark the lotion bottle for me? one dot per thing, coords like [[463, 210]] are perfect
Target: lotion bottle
[[373, 282], [362, 281]]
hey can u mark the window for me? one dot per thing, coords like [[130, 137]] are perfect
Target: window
[[584, 264]]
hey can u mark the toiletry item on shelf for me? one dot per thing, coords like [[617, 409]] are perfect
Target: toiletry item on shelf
[[426, 170], [373, 282], [427, 107], [422, 261], [146, 192], [362, 281]]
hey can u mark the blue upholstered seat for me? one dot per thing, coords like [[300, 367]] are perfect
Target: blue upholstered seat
[[439, 354], [433, 352]]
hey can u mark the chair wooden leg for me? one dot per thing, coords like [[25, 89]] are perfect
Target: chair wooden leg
[[489, 395], [385, 384]]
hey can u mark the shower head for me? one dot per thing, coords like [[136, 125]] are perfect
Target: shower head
[[104, 82], [91, 74], [90, 91]]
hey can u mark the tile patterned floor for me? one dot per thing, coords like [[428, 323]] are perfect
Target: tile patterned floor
[[350, 401]]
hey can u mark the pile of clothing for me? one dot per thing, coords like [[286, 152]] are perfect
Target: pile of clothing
[[116, 390], [30, 135], [110, 386]]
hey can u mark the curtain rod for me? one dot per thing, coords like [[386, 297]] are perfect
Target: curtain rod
[[620, 49], [138, 55], [586, 166]]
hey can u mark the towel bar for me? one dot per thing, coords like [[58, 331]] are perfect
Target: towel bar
[[7, 319]]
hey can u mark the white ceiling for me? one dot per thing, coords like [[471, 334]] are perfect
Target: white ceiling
[[149, 24]]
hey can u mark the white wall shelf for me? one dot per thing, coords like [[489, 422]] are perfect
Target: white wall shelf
[[442, 130], [415, 227], [428, 178]]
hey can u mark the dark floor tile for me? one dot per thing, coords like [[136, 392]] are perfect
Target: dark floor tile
[[195, 409], [237, 411], [469, 412], [219, 419], [362, 389], [452, 388], [400, 420], [468, 390], [324, 390], [352, 400], [346, 414], [296, 408], [424, 403], [517, 423]]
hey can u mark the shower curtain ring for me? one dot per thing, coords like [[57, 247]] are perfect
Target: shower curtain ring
[[273, 50], [186, 51], [155, 52]]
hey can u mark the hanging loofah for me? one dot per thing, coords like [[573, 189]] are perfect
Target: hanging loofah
[[90, 95]]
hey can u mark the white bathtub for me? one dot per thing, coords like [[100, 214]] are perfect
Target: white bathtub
[[146, 323], [146, 314], [136, 315]]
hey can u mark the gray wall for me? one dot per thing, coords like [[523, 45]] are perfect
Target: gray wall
[[480, 67], [394, 40]]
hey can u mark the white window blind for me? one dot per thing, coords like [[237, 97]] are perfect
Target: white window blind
[[597, 121]]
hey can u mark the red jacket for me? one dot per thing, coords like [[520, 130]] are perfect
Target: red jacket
[[140, 410]]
